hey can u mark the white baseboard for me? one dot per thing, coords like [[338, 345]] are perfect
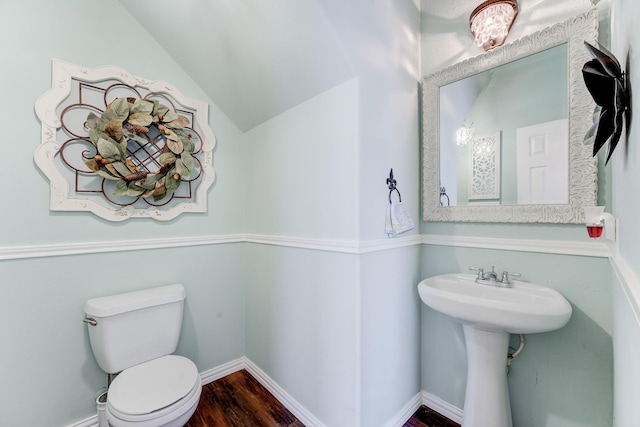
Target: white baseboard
[[406, 412], [301, 413], [433, 402], [443, 408], [89, 422], [222, 371], [308, 419]]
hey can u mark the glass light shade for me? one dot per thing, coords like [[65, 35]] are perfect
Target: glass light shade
[[491, 21], [464, 134]]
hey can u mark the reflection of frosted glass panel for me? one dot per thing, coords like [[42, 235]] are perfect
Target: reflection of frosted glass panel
[[484, 167]]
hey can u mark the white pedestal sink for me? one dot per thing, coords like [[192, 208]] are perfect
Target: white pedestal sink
[[488, 315]]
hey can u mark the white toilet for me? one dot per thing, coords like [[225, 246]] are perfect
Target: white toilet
[[135, 334]]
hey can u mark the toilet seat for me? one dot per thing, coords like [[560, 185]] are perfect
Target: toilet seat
[[154, 393]]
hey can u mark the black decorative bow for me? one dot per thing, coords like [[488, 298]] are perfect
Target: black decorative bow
[[606, 82]]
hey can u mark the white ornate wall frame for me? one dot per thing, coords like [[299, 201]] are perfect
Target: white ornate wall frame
[[67, 153]]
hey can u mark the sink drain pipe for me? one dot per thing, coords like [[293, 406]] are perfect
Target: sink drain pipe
[[514, 353]]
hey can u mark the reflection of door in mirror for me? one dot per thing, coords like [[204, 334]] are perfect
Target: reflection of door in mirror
[[543, 163], [522, 93]]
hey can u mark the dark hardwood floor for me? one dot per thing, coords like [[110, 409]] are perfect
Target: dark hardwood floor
[[426, 417], [239, 400]]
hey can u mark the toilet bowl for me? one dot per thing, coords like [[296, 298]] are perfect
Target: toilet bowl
[[134, 336], [161, 393]]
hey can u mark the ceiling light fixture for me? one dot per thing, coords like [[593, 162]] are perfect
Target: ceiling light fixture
[[464, 134], [491, 21]]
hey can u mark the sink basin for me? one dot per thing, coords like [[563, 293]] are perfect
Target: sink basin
[[489, 314], [524, 308]]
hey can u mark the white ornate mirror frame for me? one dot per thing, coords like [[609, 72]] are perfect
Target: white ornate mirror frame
[[582, 168], [62, 110]]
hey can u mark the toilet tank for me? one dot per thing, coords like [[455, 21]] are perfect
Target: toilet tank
[[135, 327]]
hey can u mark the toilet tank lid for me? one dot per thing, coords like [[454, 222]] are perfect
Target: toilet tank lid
[[121, 303]]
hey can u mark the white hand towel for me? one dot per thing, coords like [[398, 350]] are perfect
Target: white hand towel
[[397, 220]]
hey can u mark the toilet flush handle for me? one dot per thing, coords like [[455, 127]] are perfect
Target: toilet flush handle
[[90, 320]]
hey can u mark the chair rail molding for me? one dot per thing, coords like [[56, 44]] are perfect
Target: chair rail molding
[[558, 247], [79, 248], [356, 247]]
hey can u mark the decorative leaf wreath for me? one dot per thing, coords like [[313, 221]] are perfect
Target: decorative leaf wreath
[[127, 119]]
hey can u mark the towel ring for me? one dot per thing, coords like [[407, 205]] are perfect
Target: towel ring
[[397, 191], [391, 182], [443, 192]]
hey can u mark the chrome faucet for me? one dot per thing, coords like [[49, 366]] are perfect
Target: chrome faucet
[[491, 277]]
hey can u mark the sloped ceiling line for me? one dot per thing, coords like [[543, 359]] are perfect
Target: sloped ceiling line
[[254, 59]]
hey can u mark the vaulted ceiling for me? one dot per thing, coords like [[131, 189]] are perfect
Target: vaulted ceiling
[[254, 58], [258, 58]]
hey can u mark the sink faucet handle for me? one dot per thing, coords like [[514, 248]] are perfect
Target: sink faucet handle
[[506, 274], [480, 271]]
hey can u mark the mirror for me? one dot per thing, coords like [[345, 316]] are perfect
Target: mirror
[[503, 132], [503, 107]]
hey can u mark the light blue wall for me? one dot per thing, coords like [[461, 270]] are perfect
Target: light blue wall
[[302, 305], [625, 38], [92, 33], [302, 321], [561, 378], [353, 339], [316, 171], [390, 330], [455, 102], [382, 41], [44, 352], [324, 324], [302, 178], [626, 351], [45, 346]]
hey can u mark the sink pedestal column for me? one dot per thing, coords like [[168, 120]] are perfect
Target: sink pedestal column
[[486, 401]]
